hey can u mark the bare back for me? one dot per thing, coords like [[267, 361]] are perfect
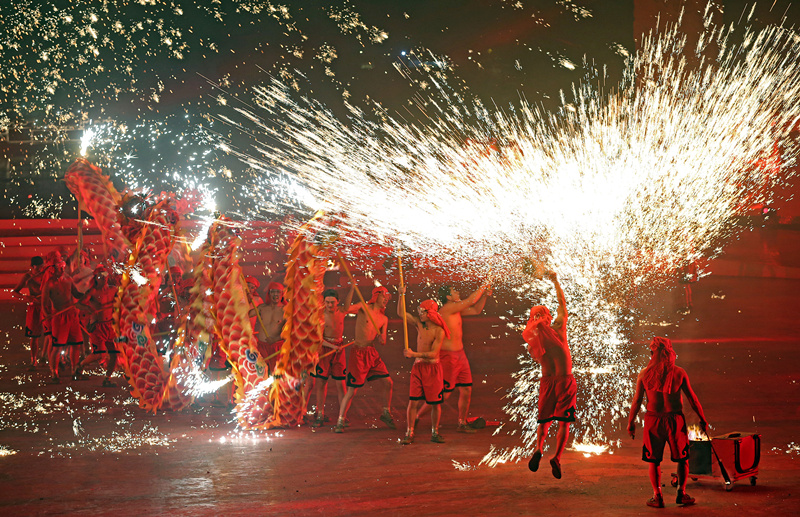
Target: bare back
[[557, 359], [660, 402]]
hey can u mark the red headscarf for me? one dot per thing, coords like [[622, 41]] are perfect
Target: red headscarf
[[539, 332], [375, 292], [432, 309], [658, 374], [276, 286], [253, 280]]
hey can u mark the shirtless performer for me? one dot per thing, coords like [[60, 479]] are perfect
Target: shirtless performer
[[269, 335], [99, 301], [457, 373], [58, 306], [547, 344], [333, 364], [664, 422], [32, 281], [427, 381], [364, 364]]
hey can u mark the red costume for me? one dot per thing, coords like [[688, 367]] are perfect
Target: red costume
[[363, 365], [33, 320], [557, 398], [427, 378], [66, 328], [103, 338], [332, 365], [455, 369], [427, 382], [269, 351]]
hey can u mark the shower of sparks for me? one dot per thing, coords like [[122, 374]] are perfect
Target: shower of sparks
[[615, 192]]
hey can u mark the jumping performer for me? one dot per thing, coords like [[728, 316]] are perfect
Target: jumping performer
[[547, 344], [427, 381], [664, 382]]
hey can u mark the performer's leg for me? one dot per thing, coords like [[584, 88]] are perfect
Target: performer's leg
[[655, 478], [339, 391], [34, 348], [54, 355], [464, 398], [561, 438], [683, 473], [75, 356], [436, 414], [112, 363], [541, 436], [388, 384], [348, 397], [321, 392], [411, 415]]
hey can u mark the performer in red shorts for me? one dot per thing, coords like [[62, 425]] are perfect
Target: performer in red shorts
[[455, 366], [99, 301], [364, 363], [547, 344], [58, 305], [332, 362], [32, 281], [427, 382], [268, 336], [664, 382]]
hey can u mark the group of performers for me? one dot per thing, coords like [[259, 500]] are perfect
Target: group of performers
[[68, 307]]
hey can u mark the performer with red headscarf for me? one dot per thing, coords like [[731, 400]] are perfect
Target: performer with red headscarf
[[268, 336], [664, 422], [427, 380], [547, 344], [364, 364]]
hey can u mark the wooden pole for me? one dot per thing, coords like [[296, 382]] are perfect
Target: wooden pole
[[358, 292], [403, 300]]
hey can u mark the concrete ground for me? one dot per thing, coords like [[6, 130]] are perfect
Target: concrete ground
[[86, 450]]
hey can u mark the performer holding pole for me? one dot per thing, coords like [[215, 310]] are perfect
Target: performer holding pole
[[427, 381], [364, 363]]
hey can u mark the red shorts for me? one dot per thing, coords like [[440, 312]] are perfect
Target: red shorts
[[33, 320], [268, 349], [557, 398], [103, 338], [427, 382], [663, 428], [333, 365], [66, 328], [363, 365], [455, 369]]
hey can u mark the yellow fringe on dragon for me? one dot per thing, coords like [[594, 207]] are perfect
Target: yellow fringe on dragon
[[303, 330]]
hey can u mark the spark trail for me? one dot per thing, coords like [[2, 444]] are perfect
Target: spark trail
[[614, 191]]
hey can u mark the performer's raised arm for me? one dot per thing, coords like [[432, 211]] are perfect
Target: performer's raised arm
[[561, 313]]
